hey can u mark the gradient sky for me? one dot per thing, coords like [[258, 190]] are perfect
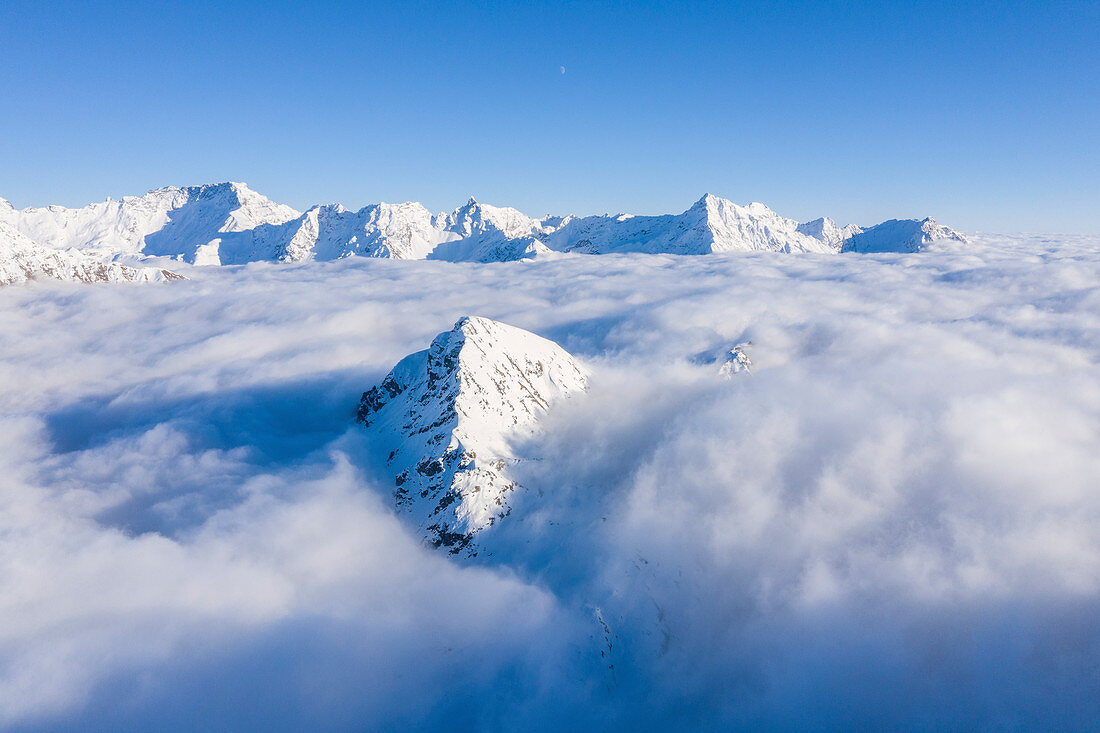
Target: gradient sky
[[985, 115]]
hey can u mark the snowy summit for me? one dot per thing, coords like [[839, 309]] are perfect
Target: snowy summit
[[446, 418]]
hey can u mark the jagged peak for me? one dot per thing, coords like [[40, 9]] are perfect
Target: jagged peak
[[711, 203], [474, 205], [478, 343], [328, 209], [235, 186], [399, 206], [820, 225], [465, 322], [467, 326], [477, 330], [478, 218], [223, 186], [237, 190], [469, 209], [381, 206]]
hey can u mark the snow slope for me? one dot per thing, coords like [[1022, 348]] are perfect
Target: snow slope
[[228, 223], [22, 259], [446, 416]]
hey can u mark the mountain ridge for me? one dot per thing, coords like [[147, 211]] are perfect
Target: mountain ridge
[[229, 223]]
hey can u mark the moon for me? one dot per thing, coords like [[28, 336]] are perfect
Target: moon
[[562, 70]]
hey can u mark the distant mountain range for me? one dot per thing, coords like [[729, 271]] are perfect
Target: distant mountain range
[[230, 224]]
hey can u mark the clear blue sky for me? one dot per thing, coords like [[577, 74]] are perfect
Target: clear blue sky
[[986, 115]]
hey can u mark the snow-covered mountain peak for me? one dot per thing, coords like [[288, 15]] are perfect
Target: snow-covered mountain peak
[[902, 235], [818, 226], [506, 375], [736, 360], [729, 227], [710, 202], [326, 209], [934, 232], [247, 208], [189, 223], [705, 201], [716, 206], [448, 416], [475, 218], [828, 231]]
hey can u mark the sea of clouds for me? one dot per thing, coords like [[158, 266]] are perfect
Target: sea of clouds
[[892, 522]]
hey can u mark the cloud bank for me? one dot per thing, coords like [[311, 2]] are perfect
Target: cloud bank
[[890, 523]]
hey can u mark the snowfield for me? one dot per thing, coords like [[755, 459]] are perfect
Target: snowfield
[[888, 522]]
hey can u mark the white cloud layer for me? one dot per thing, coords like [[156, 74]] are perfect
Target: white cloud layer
[[890, 523]]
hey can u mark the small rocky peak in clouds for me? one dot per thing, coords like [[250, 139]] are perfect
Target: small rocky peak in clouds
[[446, 418], [736, 361]]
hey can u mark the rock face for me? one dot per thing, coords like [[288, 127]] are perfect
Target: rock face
[[22, 260], [447, 416], [229, 223]]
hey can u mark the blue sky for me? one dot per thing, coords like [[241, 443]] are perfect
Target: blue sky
[[986, 115]]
